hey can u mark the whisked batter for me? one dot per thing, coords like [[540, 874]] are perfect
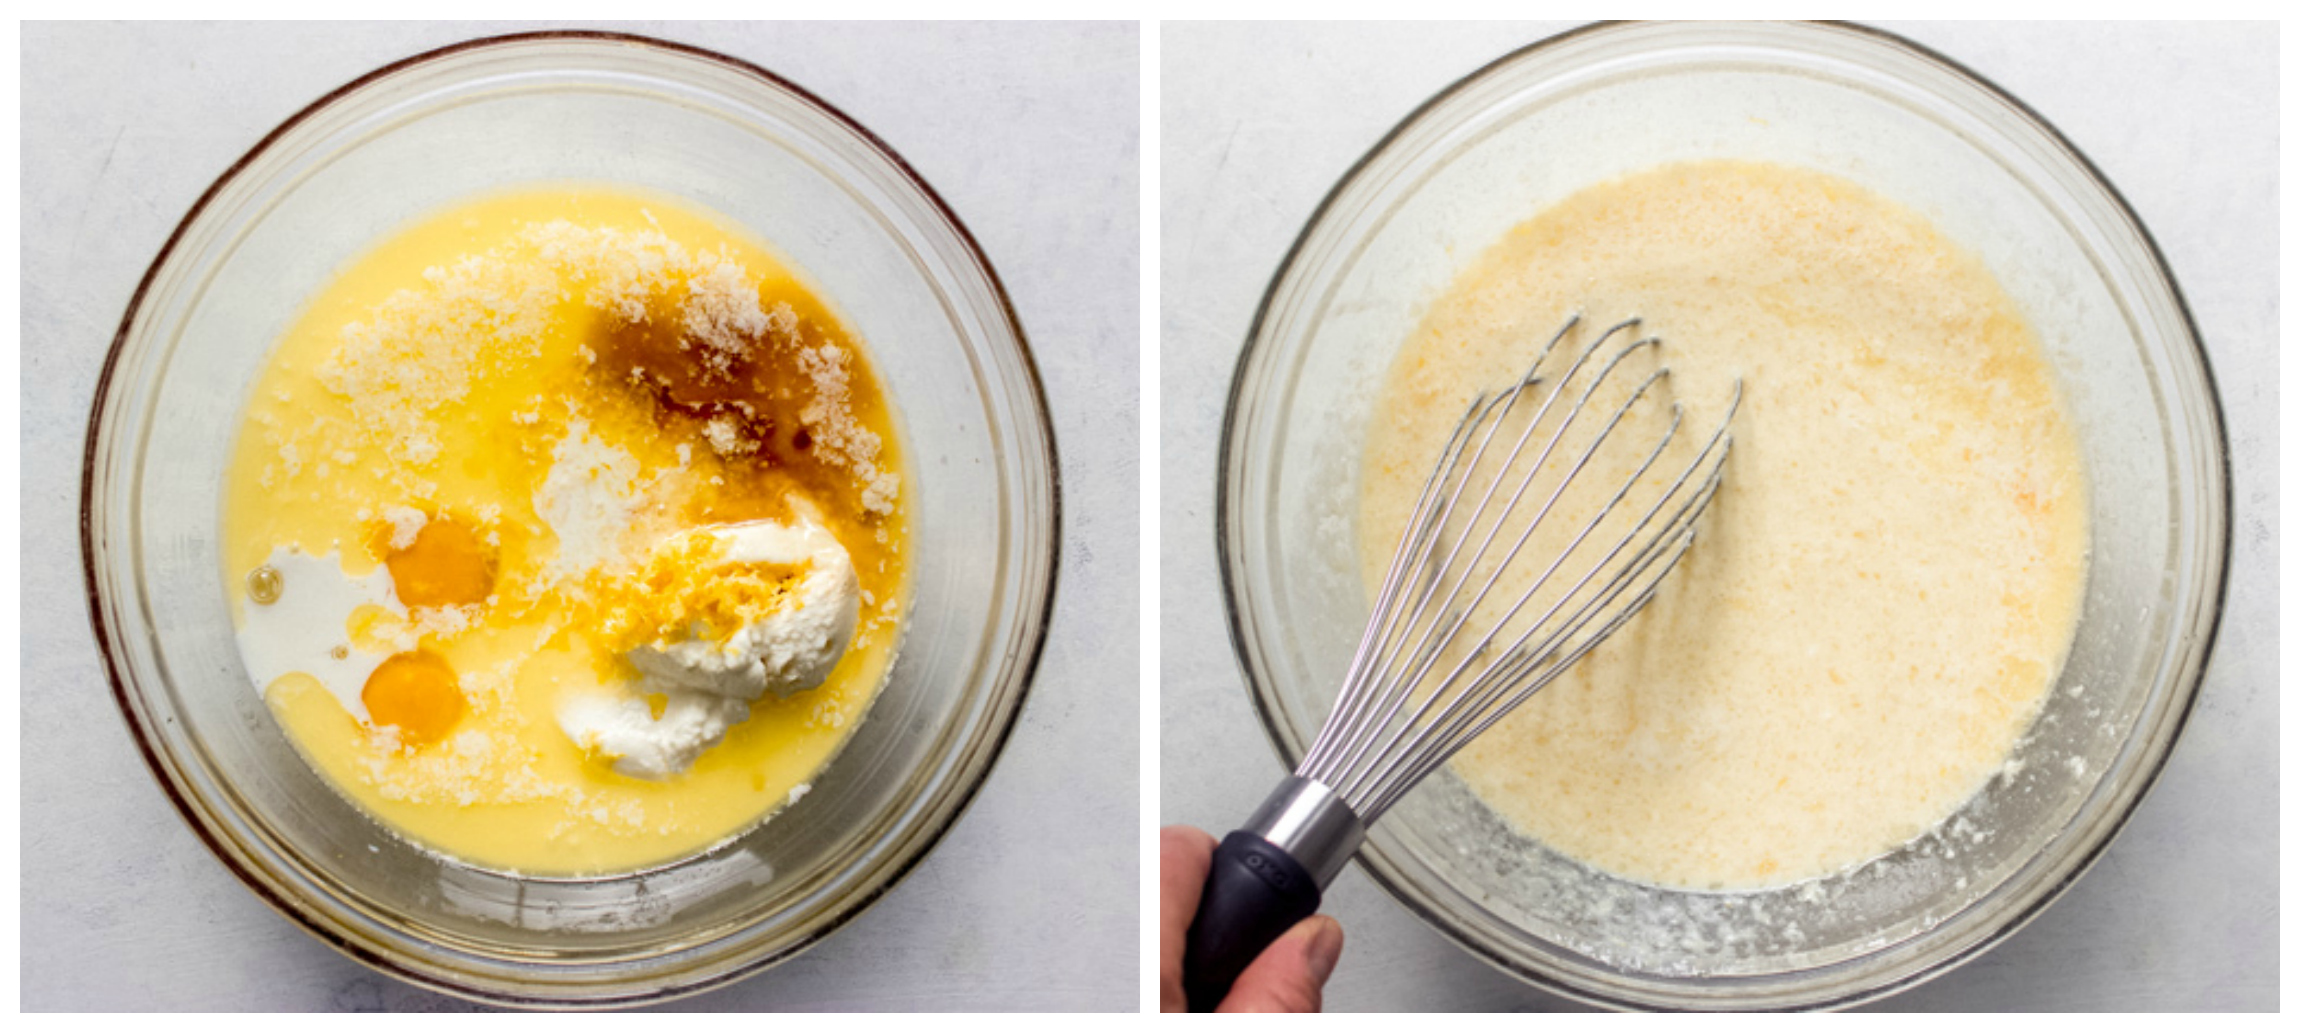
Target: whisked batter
[[1891, 574]]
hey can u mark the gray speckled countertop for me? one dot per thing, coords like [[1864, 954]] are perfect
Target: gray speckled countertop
[[1258, 121], [1031, 135]]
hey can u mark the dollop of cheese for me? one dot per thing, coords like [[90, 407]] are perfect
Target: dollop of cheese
[[789, 649], [720, 617], [644, 744]]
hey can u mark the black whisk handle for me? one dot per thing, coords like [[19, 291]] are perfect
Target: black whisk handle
[[1255, 891]]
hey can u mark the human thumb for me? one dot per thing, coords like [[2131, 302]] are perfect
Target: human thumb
[[1290, 976]]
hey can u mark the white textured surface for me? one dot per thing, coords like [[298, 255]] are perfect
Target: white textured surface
[[1029, 132], [1258, 121]]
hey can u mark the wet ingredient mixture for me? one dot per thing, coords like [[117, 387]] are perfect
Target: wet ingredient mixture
[[1888, 581], [565, 532]]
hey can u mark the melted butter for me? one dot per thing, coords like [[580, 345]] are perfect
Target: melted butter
[[466, 429], [1890, 576]]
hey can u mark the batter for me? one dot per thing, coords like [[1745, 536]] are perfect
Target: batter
[[1891, 574], [565, 532]]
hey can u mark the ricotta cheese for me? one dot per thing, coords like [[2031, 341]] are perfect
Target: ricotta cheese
[[708, 681]]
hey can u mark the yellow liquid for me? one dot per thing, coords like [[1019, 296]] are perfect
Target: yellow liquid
[[1887, 582], [439, 372]]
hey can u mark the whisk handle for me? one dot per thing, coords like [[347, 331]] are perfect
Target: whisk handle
[[1267, 876], [1254, 893]]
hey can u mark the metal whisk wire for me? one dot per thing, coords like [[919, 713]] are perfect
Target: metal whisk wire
[[1392, 723], [1403, 707]]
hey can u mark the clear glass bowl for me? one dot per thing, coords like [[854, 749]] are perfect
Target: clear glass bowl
[[408, 140], [1500, 145]]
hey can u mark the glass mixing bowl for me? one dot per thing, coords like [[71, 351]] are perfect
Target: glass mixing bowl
[[406, 141], [1526, 131]]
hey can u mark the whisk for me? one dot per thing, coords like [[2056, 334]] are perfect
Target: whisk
[[1448, 651]]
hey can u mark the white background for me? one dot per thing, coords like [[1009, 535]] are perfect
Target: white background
[[1030, 134], [1259, 121]]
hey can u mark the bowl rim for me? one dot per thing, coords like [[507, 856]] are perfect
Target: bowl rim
[[1036, 620], [1250, 355]]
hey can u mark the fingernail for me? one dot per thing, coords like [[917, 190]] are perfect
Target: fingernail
[[1325, 948]]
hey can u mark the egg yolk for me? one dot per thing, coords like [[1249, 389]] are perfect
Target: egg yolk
[[417, 692], [446, 565]]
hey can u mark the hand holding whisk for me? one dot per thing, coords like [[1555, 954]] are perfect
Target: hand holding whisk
[[1536, 479]]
